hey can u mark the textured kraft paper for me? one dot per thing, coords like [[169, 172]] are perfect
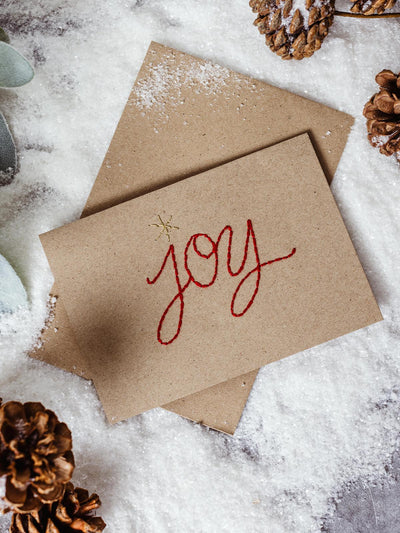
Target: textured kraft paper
[[305, 284], [148, 151]]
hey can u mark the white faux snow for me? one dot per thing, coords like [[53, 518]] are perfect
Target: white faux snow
[[315, 420], [163, 84]]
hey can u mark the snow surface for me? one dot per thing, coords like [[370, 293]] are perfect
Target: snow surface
[[315, 422]]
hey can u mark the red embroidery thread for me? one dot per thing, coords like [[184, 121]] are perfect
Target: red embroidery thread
[[250, 238]]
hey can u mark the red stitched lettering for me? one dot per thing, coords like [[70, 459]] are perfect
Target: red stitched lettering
[[251, 241]]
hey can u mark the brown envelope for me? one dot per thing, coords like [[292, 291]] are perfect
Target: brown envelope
[[209, 278], [164, 136]]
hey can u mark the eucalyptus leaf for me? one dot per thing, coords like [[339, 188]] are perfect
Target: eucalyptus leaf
[[8, 155], [15, 70], [4, 36], [12, 292]]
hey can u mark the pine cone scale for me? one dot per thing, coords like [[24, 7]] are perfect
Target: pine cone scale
[[287, 8], [51, 528], [384, 101], [20, 474], [15, 495], [63, 437], [313, 17], [387, 79], [297, 22]]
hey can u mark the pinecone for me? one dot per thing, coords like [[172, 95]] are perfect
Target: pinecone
[[371, 7], [292, 32], [35, 455], [383, 114], [73, 513]]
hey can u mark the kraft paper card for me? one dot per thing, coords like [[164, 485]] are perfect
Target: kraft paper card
[[159, 142], [210, 278]]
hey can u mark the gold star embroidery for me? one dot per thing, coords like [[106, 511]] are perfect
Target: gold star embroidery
[[165, 228]]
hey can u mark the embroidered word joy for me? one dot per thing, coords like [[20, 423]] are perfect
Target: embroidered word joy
[[192, 246]]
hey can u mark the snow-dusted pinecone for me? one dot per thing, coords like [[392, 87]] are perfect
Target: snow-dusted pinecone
[[294, 29], [371, 7], [74, 513], [35, 455], [383, 114]]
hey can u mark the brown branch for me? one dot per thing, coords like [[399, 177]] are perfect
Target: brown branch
[[361, 16]]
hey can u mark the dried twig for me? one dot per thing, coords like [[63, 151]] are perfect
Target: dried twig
[[361, 16]]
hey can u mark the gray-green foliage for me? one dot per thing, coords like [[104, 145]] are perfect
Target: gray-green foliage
[[8, 155], [15, 71]]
